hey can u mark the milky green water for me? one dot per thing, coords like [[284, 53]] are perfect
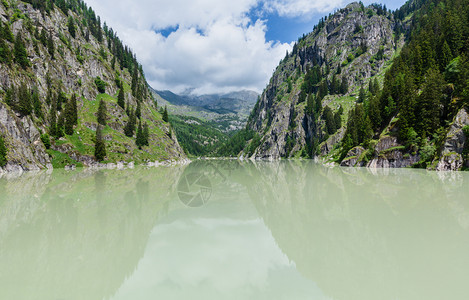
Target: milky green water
[[231, 230]]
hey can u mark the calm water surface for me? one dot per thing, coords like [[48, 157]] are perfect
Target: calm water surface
[[235, 230]]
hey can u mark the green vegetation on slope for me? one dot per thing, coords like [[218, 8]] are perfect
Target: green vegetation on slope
[[197, 137], [425, 87], [50, 85]]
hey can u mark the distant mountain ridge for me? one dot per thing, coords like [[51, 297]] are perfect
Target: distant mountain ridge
[[204, 122], [230, 102]]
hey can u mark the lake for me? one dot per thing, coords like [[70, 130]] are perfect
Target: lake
[[235, 230]]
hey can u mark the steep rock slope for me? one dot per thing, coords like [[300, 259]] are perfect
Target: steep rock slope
[[370, 87], [325, 69], [67, 52]]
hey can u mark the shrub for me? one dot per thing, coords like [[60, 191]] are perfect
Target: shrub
[[45, 140], [100, 84]]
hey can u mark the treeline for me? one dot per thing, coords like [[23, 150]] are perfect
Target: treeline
[[238, 143], [426, 85]]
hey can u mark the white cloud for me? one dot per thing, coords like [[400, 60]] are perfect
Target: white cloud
[[301, 8], [216, 47]]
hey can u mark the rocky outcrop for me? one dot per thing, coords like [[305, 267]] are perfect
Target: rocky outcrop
[[451, 158], [394, 159], [22, 139], [327, 146], [354, 158], [390, 154]]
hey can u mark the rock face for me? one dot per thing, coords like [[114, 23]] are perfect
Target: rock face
[[72, 68], [282, 119], [26, 151], [327, 147], [451, 158], [354, 158]]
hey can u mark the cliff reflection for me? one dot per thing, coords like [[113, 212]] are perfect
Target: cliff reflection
[[230, 228], [397, 234], [77, 235]]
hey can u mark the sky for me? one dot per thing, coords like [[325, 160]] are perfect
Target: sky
[[213, 46]]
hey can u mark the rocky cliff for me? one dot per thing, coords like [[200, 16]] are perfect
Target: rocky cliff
[[67, 51], [346, 51], [371, 88]]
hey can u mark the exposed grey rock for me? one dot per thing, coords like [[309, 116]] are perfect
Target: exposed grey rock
[[386, 143], [25, 150], [451, 158], [353, 158], [327, 147], [450, 162], [329, 46], [393, 159]]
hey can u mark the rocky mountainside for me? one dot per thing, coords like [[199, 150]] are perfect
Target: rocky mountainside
[[63, 77], [371, 87], [346, 51]]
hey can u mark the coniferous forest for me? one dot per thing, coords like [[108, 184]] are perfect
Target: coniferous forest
[[426, 85]]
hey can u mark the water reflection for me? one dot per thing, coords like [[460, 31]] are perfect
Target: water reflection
[[399, 234], [77, 235], [235, 230]]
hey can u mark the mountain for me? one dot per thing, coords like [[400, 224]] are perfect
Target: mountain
[[370, 87], [212, 106], [61, 71], [205, 122]]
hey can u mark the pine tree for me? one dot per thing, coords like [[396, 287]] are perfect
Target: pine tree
[[3, 152], [338, 117], [24, 100], [6, 33], [134, 81], [429, 103], [138, 111], [374, 112], [121, 99], [53, 120], [344, 86], [71, 26], [50, 45], [102, 113], [330, 121], [446, 55], [5, 53], [165, 115], [146, 134], [100, 146], [37, 106], [69, 115], [43, 37], [61, 99], [361, 95], [310, 104], [74, 109], [140, 140], [10, 97], [21, 56], [129, 128], [60, 125]]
